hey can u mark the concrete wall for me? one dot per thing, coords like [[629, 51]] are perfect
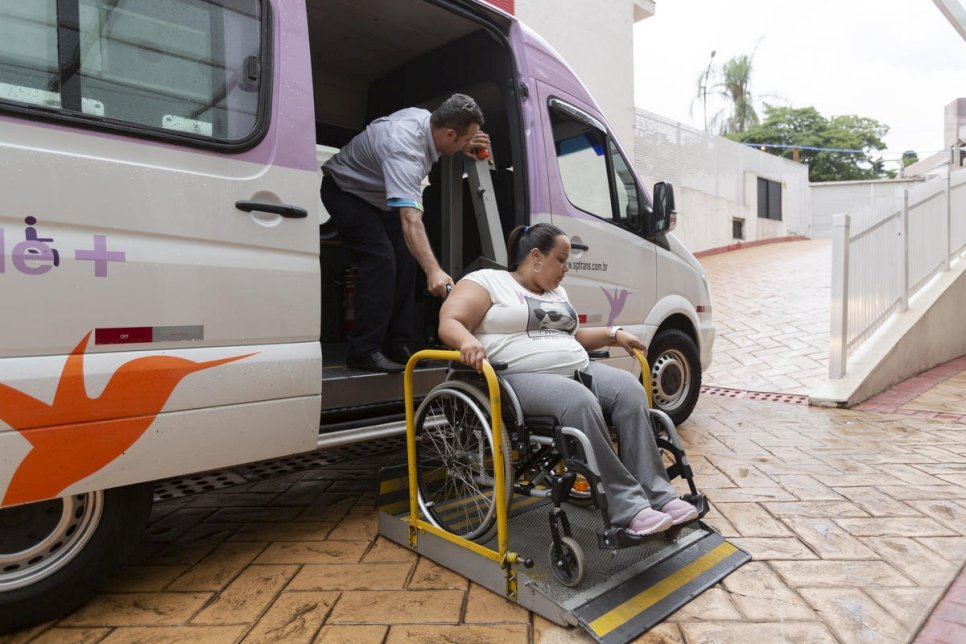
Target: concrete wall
[[596, 39], [929, 334], [848, 197], [716, 181]]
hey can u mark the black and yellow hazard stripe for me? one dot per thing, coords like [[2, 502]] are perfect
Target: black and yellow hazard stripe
[[635, 606]]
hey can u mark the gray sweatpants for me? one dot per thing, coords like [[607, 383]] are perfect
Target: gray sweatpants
[[635, 480]]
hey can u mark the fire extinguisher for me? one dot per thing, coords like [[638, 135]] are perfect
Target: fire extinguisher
[[348, 300]]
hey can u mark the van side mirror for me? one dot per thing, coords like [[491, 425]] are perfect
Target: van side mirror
[[665, 217]]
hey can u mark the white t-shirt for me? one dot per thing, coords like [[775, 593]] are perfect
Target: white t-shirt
[[530, 332]]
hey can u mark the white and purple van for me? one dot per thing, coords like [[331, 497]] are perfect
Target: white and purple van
[[172, 304]]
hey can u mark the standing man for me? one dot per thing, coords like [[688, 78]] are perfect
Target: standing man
[[372, 188]]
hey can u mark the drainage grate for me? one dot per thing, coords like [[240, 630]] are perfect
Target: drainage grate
[[196, 484], [791, 399], [726, 392], [219, 479]]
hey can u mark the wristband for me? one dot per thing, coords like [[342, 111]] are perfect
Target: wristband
[[613, 333]]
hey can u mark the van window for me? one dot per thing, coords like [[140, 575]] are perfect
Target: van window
[[580, 150], [595, 176], [628, 211], [182, 66]]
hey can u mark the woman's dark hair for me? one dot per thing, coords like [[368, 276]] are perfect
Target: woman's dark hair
[[523, 239]]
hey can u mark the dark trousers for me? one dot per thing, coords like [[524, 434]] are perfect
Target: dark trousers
[[385, 312]]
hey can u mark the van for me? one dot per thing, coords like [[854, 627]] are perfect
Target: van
[[172, 304]]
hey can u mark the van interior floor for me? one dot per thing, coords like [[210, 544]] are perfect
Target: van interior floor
[[349, 393]]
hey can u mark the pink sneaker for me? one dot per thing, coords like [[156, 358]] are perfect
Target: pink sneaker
[[680, 511], [649, 521]]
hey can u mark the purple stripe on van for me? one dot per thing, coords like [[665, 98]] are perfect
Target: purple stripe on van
[[290, 141]]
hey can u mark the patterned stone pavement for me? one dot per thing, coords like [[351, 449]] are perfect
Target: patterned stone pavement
[[855, 521], [771, 312], [856, 518]]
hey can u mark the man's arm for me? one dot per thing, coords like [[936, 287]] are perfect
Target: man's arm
[[415, 235]]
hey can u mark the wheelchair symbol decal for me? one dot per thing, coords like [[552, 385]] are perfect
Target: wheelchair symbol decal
[[37, 255]]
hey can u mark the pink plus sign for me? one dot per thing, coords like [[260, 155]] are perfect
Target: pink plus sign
[[100, 255]]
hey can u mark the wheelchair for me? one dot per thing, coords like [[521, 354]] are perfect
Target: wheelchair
[[460, 477]]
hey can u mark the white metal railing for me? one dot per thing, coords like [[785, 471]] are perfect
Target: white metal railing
[[885, 253]]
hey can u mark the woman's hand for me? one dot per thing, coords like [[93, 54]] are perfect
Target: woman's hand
[[629, 342], [472, 353]]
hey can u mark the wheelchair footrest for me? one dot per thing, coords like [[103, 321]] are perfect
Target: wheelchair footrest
[[699, 501], [617, 538]]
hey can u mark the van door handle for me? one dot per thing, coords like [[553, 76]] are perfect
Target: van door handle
[[292, 212], [579, 246]]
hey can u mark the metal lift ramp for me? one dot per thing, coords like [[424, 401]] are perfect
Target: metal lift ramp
[[625, 592]]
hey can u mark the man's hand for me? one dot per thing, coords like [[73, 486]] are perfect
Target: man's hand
[[481, 140], [437, 282]]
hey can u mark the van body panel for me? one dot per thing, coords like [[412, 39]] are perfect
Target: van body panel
[[613, 282], [158, 272], [175, 444], [152, 306]]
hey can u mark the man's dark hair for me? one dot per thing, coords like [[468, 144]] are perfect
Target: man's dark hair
[[458, 112], [523, 239]]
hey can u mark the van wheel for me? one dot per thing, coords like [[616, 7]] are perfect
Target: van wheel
[[675, 374], [54, 554]]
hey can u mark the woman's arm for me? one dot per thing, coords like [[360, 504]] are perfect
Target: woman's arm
[[598, 337], [461, 313]]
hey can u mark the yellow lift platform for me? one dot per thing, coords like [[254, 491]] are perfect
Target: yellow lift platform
[[624, 592]]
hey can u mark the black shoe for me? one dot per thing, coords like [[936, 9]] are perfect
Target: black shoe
[[399, 353], [376, 361]]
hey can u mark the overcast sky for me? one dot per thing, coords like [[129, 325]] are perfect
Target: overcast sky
[[897, 61]]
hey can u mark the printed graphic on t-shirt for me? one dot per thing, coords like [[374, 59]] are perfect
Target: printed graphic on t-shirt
[[550, 318]]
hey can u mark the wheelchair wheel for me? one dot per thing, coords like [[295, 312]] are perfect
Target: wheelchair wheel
[[568, 568], [455, 462]]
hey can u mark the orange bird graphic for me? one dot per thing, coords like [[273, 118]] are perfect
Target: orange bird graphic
[[78, 435]]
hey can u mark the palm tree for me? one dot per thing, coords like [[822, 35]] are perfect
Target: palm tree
[[735, 86], [731, 83]]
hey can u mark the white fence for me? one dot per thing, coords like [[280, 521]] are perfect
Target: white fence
[[885, 253]]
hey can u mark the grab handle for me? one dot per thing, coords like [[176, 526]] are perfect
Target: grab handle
[[285, 210]]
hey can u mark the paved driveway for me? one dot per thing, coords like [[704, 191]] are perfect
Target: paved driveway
[[855, 519], [771, 312]]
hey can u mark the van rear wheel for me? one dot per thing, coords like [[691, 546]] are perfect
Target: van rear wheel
[[675, 373], [54, 554]]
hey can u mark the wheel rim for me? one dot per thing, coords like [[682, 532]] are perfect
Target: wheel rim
[[670, 380], [454, 452], [38, 539], [568, 567]]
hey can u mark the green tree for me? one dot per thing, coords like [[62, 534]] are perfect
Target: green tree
[[734, 84], [805, 126], [731, 84], [909, 157]]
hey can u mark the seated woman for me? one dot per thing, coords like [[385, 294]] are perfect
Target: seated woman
[[522, 317]]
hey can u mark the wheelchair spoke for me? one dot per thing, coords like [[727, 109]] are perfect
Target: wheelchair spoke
[[455, 462]]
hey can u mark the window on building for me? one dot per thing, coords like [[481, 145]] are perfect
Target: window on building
[[737, 228], [184, 66], [596, 178], [769, 199]]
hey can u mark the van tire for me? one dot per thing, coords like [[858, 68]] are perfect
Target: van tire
[[55, 554], [675, 373]]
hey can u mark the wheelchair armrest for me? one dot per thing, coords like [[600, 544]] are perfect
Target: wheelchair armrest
[[597, 354], [456, 365]]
